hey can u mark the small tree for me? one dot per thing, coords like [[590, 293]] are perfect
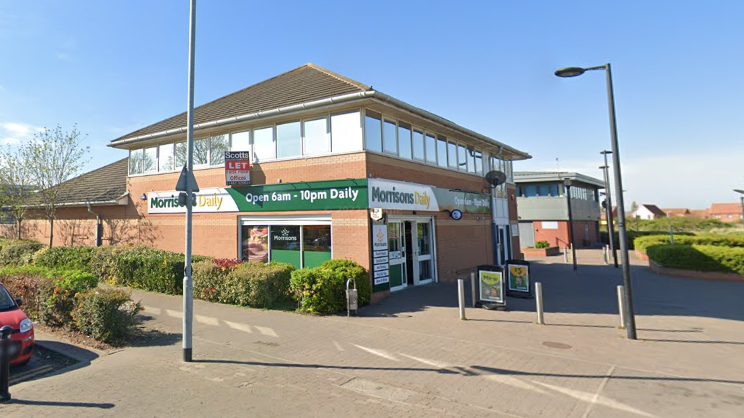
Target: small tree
[[53, 157], [15, 186]]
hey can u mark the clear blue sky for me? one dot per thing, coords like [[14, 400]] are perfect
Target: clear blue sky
[[115, 66]]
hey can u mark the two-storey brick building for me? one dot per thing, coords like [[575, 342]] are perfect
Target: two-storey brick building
[[337, 170]]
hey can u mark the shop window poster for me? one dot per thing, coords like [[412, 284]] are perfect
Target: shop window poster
[[491, 286], [256, 243]]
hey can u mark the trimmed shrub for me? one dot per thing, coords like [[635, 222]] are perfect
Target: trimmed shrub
[[48, 294], [323, 289], [141, 267], [70, 258], [542, 244], [698, 257], [633, 235], [208, 280], [256, 285], [107, 315], [19, 252], [731, 241]]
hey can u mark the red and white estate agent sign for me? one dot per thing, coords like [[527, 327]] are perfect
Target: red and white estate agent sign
[[237, 168]]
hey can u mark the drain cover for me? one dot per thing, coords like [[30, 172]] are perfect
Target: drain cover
[[553, 344]]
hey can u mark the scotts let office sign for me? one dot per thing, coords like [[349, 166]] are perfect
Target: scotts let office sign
[[318, 195], [237, 168]]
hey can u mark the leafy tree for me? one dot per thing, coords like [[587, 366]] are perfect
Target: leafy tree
[[15, 186], [53, 157]]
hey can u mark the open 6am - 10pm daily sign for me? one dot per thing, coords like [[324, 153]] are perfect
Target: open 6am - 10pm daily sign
[[237, 168]]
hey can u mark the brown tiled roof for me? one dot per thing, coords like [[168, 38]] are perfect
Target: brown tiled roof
[[105, 184], [725, 208], [700, 213], [677, 212], [304, 84]]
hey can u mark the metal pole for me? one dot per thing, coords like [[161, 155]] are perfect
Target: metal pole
[[5, 363], [621, 306], [474, 290], [539, 303], [461, 297], [188, 302], [570, 226], [608, 195], [628, 292]]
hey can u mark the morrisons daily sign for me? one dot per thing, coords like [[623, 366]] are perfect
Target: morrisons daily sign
[[323, 195]]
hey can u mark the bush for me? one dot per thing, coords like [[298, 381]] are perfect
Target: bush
[[19, 252], [542, 244], [141, 267], [48, 294], [71, 258], [323, 289], [699, 257], [107, 315], [732, 241], [256, 285], [633, 235]]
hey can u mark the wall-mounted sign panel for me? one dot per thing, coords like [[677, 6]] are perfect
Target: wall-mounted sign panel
[[316, 195], [207, 200], [390, 194], [237, 168]]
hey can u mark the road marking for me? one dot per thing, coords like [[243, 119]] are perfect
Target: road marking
[[338, 346], [208, 320], [601, 400], [30, 374], [428, 362], [601, 388], [381, 353], [175, 314], [266, 331], [153, 310], [239, 327]]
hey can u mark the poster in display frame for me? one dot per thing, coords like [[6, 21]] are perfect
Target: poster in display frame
[[518, 279], [491, 292]]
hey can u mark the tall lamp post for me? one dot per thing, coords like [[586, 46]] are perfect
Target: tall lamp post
[[567, 185], [608, 204], [577, 71], [741, 196]]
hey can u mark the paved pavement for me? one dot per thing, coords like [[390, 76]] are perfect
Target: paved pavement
[[411, 356]]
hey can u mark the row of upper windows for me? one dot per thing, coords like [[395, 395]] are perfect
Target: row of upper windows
[[553, 190], [335, 133]]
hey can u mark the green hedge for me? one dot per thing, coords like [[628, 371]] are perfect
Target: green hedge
[[251, 284], [48, 294], [141, 268], [633, 235], [323, 289], [77, 258], [18, 252], [733, 241], [105, 314], [698, 257]]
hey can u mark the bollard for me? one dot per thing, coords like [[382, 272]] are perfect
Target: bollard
[[565, 254], [539, 303], [5, 362], [604, 254], [621, 306], [461, 297], [474, 290]]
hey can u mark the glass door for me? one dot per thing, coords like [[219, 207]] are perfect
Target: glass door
[[424, 253], [397, 255]]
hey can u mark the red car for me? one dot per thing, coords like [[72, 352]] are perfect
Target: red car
[[22, 336]]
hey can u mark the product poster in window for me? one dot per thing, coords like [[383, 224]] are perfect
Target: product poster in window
[[256, 243], [519, 278], [491, 286]]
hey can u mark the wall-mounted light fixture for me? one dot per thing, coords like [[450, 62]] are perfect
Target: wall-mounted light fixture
[[144, 196]]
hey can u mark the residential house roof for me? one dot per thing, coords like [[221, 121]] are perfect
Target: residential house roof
[[654, 209], [724, 208], [305, 87], [677, 212]]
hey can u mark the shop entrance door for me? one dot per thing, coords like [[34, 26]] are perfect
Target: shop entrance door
[[411, 252]]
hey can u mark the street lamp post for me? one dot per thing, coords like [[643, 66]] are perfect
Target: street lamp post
[[741, 197], [608, 204], [628, 293], [567, 185]]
